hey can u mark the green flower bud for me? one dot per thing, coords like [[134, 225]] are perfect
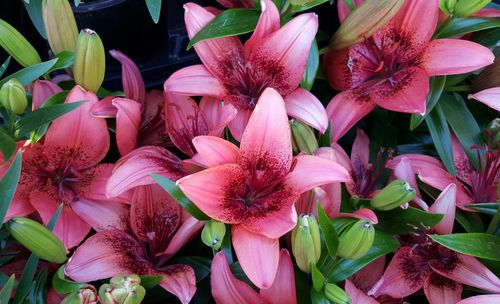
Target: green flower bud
[[304, 138], [464, 8], [494, 129], [447, 6], [60, 25], [336, 294], [356, 240], [90, 63], [87, 295], [393, 195], [306, 242], [38, 239], [17, 46], [13, 96], [213, 233], [123, 289]]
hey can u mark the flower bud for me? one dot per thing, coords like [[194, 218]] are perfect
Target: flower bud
[[123, 289], [87, 295], [494, 130], [90, 62], [393, 195], [364, 21], [306, 242], [447, 6], [488, 78], [356, 240], [336, 294], [17, 46], [60, 25], [213, 233], [464, 8], [303, 137], [38, 239], [13, 96]]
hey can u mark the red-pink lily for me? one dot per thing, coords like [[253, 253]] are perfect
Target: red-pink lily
[[227, 289], [254, 187], [482, 299], [159, 229], [391, 69], [420, 262], [65, 169], [473, 186], [273, 57], [490, 97], [236, 3], [41, 90]]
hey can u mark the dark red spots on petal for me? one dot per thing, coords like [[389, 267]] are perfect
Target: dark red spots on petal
[[265, 169], [234, 202], [444, 259], [414, 266], [439, 281], [279, 199]]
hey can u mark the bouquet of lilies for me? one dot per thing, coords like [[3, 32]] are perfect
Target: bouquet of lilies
[[294, 164]]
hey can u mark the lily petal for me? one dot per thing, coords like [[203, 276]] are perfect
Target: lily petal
[[440, 290], [418, 162], [42, 90], [269, 22], [304, 106], [258, 255], [360, 152], [283, 288], [358, 296], [92, 184], [490, 97], [179, 280], [189, 228], [128, 121], [133, 84], [194, 80], [239, 123], [455, 56], [366, 278], [445, 204], [404, 171], [216, 151], [217, 116], [481, 299], [111, 215]]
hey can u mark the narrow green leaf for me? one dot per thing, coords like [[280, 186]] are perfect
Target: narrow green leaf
[[154, 8], [481, 245], [34, 9], [308, 5], [461, 26], [64, 286], [6, 291], [230, 22], [8, 185], [464, 125], [486, 208], [177, 194], [226, 245], [403, 221], [4, 66], [382, 245], [53, 220], [31, 73], [471, 222], [440, 133], [330, 235], [7, 146], [26, 281], [318, 278], [65, 60], [149, 282], [38, 293], [325, 140], [436, 88], [38, 118], [76, 2], [311, 68]]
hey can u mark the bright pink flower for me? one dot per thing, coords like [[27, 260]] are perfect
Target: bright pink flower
[[65, 170], [420, 262], [473, 186], [236, 3], [490, 97], [391, 69], [358, 296], [482, 299], [158, 230], [255, 186], [41, 91], [273, 57], [226, 288]]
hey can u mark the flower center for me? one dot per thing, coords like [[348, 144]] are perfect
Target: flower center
[[486, 177], [246, 87], [62, 178], [368, 177]]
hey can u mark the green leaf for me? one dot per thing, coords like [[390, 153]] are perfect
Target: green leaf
[[311, 68], [230, 22], [4, 66], [64, 286], [325, 140], [318, 278], [440, 133], [149, 282], [6, 291], [65, 60], [8, 185], [57, 98], [26, 281], [464, 125], [486, 208], [154, 8], [177, 194], [403, 221], [53, 220], [7, 145], [330, 235], [76, 2], [471, 222], [38, 118], [436, 88], [461, 26], [31, 73], [319, 297], [34, 9], [382, 245], [226, 245], [481, 245], [308, 5]]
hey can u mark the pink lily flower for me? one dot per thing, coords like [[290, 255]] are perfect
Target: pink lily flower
[[237, 74], [65, 169], [420, 262], [254, 187], [41, 91], [227, 289], [236, 3], [391, 69], [482, 299], [490, 97], [473, 186], [358, 296], [158, 228]]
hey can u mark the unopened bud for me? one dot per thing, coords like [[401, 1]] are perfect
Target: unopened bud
[[364, 21], [336, 294], [494, 130], [306, 242], [90, 61], [447, 6], [123, 289], [393, 195], [86, 295], [464, 8], [38, 239], [13, 96], [356, 240], [303, 137], [60, 25], [213, 233], [17, 46]]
